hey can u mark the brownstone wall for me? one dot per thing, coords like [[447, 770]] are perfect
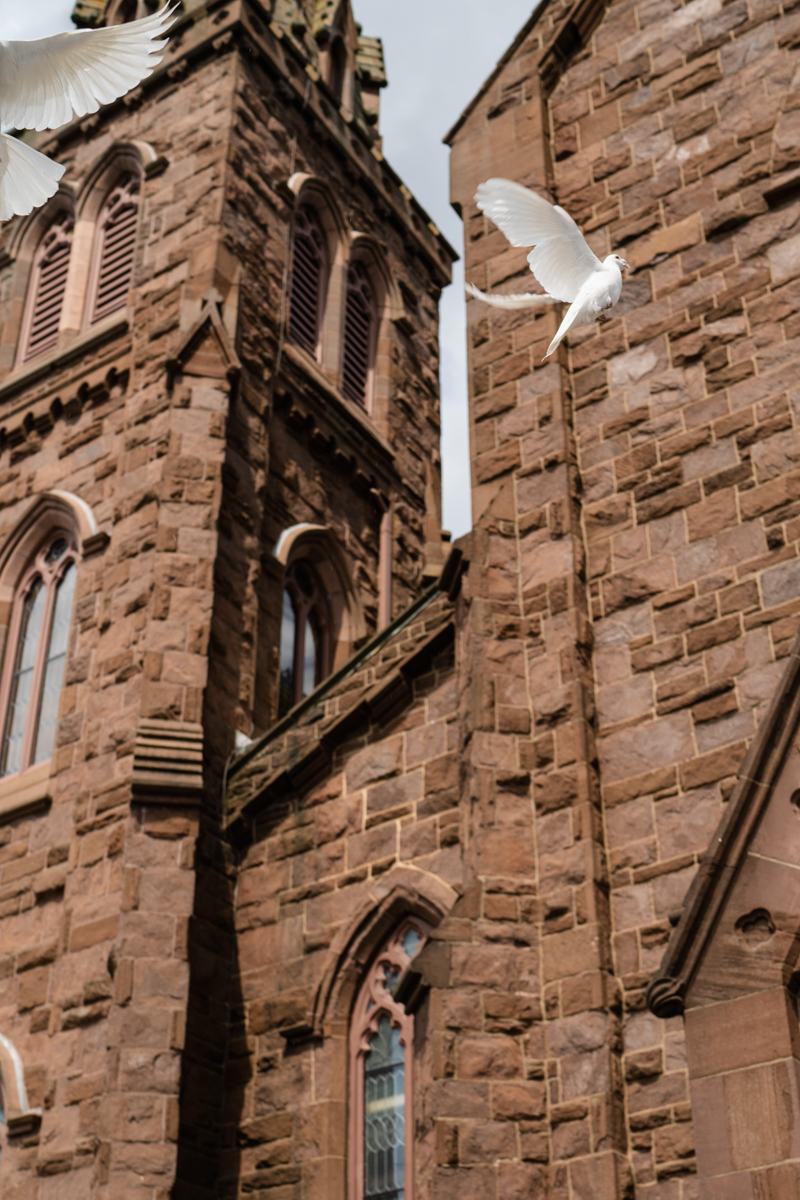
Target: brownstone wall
[[116, 899], [325, 872], [97, 896], [670, 138]]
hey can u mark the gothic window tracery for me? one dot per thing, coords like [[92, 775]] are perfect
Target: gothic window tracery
[[360, 325], [36, 656], [381, 1066], [46, 290], [114, 248], [305, 636], [308, 281]]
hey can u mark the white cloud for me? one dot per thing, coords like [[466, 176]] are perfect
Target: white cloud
[[438, 53]]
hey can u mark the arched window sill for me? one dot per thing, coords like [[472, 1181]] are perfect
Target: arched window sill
[[26, 791], [22, 1123], [104, 331], [301, 360]]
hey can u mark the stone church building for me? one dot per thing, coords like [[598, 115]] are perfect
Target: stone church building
[[337, 862]]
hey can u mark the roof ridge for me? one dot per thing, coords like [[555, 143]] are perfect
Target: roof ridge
[[718, 868], [443, 585]]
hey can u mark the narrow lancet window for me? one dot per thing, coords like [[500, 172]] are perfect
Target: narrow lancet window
[[114, 251], [308, 280], [39, 635], [359, 335], [305, 628], [381, 1062], [46, 292]]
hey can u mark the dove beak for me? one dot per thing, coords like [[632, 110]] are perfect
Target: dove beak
[[625, 266]]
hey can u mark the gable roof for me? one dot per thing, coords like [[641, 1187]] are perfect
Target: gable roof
[[569, 34], [730, 846], [374, 685]]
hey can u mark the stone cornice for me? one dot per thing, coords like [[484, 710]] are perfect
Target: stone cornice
[[331, 424]]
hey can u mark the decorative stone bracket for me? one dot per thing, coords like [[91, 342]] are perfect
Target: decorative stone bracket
[[205, 349]]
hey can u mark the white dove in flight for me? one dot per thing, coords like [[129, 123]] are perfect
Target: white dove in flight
[[42, 83], [560, 260]]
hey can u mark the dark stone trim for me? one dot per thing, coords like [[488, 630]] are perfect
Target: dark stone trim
[[719, 867]]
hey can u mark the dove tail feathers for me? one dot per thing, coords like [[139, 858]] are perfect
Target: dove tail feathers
[[570, 317], [526, 300], [27, 178]]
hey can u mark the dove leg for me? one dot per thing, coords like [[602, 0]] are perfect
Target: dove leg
[[601, 316]]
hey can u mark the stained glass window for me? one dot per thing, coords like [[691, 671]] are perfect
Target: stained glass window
[[39, 634], [384, 1115], [381, 1057]]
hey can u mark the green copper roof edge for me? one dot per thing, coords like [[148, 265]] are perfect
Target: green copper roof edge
[[350, 667]]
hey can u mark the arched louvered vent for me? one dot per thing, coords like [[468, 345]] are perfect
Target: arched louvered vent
[[47, 287], [359, 334], [308, 277], [117, 242]]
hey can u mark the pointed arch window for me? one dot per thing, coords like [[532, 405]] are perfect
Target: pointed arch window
[[47, 288], [308, 281], [36, 656], [360, 325], [115, 245], [381, 1075], [305, 636]]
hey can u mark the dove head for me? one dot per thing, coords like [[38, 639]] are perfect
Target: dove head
[[615, 258]]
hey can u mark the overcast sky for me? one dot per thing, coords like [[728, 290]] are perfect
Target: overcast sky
[[438, 52]]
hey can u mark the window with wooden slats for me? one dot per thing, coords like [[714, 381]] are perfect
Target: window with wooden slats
[[308, 280], [116, 234], [47, 288], [359, 335]]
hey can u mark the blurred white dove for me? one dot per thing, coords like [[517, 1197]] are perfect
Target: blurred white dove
[[42, 83], [561, 260]]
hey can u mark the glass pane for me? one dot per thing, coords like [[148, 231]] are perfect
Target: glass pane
[[411, 942], [304, 580], [56, 551], [22, 680], [54, 667], [309, 660], [391, 976], [384, 1115], [288, 630]]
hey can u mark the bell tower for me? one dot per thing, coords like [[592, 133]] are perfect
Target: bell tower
[[247, 433]]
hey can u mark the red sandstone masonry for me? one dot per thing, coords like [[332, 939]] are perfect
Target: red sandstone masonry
[[685, 430], [117, 916]]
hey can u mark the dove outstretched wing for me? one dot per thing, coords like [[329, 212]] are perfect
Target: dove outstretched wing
[[27, 178], [561, 260], [42, 83]]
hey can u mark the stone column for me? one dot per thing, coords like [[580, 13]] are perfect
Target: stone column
[[542, 1029]]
